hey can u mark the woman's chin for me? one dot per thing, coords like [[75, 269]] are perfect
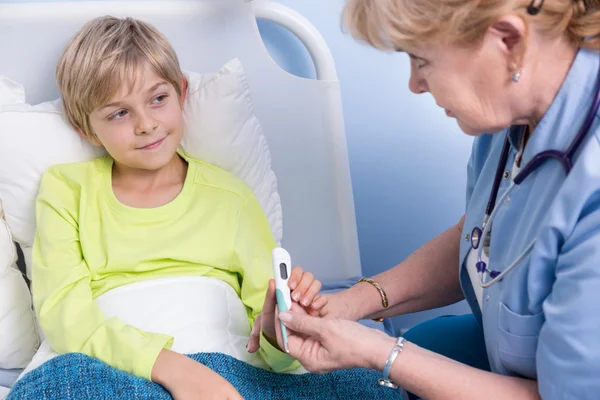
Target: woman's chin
[[467, 128], [473, 130]]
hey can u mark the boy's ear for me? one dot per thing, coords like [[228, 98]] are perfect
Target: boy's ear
[[93, 140], [80, 133], [184, 85]]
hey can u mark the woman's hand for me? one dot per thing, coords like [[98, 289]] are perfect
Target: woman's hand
[[304, 290], [340, 305], [323, 345], [187, 379]]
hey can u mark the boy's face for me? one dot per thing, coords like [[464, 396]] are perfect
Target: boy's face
[[141, 129]]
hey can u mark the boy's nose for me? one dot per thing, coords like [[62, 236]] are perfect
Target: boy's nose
[[146, 127]]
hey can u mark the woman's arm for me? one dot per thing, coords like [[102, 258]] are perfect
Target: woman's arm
[[327, 344], [432, 376], [426, 279]]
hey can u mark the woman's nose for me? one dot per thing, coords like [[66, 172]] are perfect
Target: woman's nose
[[416, 84]]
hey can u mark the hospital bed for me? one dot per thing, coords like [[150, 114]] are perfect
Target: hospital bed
[[302, 118]]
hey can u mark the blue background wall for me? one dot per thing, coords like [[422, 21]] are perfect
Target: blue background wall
[[407, 159]]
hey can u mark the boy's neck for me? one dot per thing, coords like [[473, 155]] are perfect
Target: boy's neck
[[173, 173]]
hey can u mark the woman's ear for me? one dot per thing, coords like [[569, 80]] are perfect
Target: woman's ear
[[511, 29], [511, 32]]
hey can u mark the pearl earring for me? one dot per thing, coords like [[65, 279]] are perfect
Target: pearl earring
[[516, 77]]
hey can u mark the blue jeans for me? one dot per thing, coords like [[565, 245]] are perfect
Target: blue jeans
[[457, 337]]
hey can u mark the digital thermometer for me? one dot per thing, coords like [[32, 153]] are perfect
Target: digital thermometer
[[282, 270]]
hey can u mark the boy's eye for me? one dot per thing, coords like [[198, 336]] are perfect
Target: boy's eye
[[159, 99], [117, 115]]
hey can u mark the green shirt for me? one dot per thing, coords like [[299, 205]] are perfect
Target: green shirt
[[88, 243]]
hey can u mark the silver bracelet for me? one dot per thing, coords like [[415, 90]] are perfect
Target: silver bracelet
[[386, 381]]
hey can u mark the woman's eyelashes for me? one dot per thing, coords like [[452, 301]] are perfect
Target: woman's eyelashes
[[418, 61]]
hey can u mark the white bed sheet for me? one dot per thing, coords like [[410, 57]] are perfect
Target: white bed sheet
[[202, 314]]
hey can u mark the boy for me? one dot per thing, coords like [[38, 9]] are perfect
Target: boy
[[140, 213]]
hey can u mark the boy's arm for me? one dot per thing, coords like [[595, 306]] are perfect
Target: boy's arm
[[254, 243], [68, 315]]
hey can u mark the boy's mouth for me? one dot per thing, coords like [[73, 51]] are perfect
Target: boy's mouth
[[153, 145]]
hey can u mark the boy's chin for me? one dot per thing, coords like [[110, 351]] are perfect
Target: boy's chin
[[150, 161]]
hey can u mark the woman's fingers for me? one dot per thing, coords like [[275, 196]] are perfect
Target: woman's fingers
[[303, 324]]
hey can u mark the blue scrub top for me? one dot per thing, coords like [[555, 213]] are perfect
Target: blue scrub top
[[542, 321]]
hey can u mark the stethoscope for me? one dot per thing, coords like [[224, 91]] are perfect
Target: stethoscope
[[479, 235]]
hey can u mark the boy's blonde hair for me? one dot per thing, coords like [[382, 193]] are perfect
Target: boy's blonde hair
[[104, 55], [396, 24]]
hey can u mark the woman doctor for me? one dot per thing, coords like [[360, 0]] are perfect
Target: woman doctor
[[522, 77]]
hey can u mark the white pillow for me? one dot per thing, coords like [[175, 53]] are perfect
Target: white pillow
[[18, 336], [221, 129]]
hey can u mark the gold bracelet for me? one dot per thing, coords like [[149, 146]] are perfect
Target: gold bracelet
[[384, 299]]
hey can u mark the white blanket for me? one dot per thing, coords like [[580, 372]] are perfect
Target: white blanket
[[202, 314]]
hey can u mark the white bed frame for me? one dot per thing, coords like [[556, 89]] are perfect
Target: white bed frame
[[302, 118]]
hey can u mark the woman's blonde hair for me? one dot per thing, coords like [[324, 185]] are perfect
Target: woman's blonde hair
[[396, 24], [105, 55]]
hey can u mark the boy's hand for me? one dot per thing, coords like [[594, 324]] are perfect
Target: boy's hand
[[304, 292], [305, 288], [187, 379]]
